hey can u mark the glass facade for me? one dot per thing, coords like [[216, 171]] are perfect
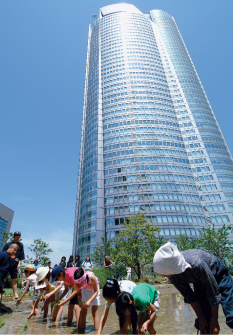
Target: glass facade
[[150, 141], [3, 224], [6, 217]]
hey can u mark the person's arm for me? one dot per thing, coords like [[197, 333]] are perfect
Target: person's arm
[[213, 328], [102, 321], [91, 266], [214, 325], [22, 280], [24, 292], [145, 325], [21, 255], [73, 294], [95, 288], [203, 325], [59, 286]]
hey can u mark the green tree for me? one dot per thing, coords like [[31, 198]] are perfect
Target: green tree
[[40, 250], [6, 237], [216, 242], [102, 250], [134, 247], [154, 243], [184, 242]]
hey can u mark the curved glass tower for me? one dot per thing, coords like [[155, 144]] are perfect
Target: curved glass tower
[[150, 140]]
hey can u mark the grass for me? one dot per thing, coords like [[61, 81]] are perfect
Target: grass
[[9, 294]]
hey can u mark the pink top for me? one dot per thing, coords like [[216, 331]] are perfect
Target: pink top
[[69, 277], [89, 285]]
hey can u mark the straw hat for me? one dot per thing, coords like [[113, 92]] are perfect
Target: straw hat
[[30, 268]]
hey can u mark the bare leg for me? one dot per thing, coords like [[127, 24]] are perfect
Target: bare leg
[[95, 317], [14, 287], [77, 310], [82, 320], [46, 305], [34, 311], [127, 323], [59, 313], [56, 313], [151, 329], [70, 314]]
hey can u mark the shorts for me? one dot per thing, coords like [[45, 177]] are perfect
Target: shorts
[[36, 294], [156, 303], [87, 294], [59, 293], [13, 272], [74, 300]]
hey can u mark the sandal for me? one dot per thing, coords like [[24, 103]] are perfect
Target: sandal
[[15, 298]]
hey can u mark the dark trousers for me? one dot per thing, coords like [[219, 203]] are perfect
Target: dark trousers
[[225, 284], [3, 275]]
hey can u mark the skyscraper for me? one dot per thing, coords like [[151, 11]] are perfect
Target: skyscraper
[[150, 141], [6, 217]]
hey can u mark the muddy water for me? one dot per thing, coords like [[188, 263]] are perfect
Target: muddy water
[[174, 317]]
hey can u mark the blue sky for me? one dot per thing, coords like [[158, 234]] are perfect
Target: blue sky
[[43, 55]]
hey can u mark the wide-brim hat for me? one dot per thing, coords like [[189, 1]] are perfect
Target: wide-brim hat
[[30, 267], [42, 272]]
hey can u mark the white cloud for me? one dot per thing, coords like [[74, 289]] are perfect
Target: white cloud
[[60, 241]]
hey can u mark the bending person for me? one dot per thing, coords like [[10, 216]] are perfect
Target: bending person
[[88, 283], [67, 276], [111, 290], [212, 283], [144, 299]]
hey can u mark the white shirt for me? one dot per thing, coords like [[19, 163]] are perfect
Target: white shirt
[[125, 286], [33, 279]]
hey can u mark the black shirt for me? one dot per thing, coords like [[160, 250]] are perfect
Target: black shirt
[[70, 264], [78, 264], [4, 261]]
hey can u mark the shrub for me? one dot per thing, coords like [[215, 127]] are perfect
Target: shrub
[[102, 275]]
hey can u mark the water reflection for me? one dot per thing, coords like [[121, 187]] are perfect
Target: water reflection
[[174, 317]]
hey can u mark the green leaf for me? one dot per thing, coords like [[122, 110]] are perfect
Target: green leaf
[[25, 328], [2, 324], [40, 250]]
